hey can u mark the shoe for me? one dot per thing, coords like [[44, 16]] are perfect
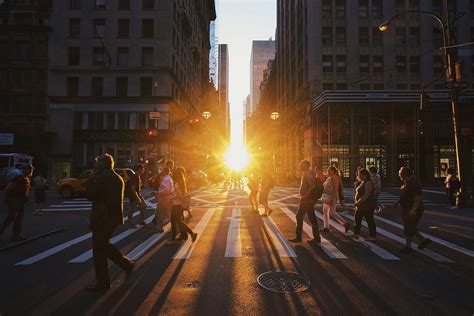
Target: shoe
[[160, 231], [371, 239], [347, 227], [354, 236], [405, 250], [97, 288], [18, 238], [325, 230], [131, 225], [316, 239], [182, 238], [142, 223], [425, 242], [173, 242], [296, 239], [194, 236]]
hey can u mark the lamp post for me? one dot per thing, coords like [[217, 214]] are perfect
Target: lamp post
[[207, 115], [449, 74], [274, 116]]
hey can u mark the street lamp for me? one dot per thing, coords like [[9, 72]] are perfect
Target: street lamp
[[206, 115], [448, 66], [275, 116]]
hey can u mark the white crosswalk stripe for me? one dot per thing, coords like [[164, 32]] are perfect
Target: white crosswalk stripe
[[142, 248], [234, 244], [279, 241], [326, 245]]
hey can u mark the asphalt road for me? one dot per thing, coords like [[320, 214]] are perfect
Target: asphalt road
[[217, 274]]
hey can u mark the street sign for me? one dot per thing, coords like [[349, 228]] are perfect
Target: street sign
[[6, 139], [457, 85], [155, 115]]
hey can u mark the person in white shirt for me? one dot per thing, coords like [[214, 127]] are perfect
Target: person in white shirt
[[164, 199], [377, 181]]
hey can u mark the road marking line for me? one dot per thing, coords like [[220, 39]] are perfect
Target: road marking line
[[142, 248], [68, 205], [88, 254], [234, 245], [76, 202], [186, 249], [279, 241], [379, 251], [433, 255], [325, 244], [433, 238], [65, 209], [285, 198], [435, 192]]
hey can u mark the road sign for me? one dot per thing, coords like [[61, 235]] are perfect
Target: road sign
[[155, 115], [457, 85]]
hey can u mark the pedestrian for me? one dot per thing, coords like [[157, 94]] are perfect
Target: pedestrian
[[180, 203], [452, 185], [377, 181], [13, 173], [105, 188], [412, 209], [136, 202], [15, 198], [365, 203], [307, 200], [40, 185], [330, 197], [254, 186], [164, 199], [268, 183]]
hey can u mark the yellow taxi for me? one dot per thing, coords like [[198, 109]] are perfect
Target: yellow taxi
[[70, 187]]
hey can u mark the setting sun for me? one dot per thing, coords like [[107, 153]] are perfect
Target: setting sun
[[237, 158]]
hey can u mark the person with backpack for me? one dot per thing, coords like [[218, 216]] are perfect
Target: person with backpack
[[377, 181], [268, 183], [365, 203], [330, 197], [307, 201], [135, 198], [452, 185]]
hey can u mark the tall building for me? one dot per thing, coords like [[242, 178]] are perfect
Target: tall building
[[125, 76], [223, 83], [262, 52], [331, 51], [213, 54], [24, 32]]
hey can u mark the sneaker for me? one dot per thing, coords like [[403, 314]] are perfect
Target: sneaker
[[325, 230], [406, 251], [354, 236], [425, 242], [371, 239], [316, 239], [131, 225], [194, 236], [296, 239], [347, 227]]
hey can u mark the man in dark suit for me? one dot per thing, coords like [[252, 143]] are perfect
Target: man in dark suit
[[105, 189]]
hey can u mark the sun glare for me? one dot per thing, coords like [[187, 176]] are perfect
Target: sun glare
[[237, 158]]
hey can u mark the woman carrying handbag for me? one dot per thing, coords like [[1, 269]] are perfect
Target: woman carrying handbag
[[330, 198]]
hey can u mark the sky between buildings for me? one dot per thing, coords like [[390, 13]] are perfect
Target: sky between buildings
[[240, 22]]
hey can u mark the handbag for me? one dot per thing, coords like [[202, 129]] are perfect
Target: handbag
[[326, 198]]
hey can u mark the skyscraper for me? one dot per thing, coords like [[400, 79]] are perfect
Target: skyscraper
[[262, 52], [223, 83], [213, 71]]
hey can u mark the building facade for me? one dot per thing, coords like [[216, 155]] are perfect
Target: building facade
[[24, 32], [327, 46], [125, 77], [262, 52], [213, 54], [223, 85]]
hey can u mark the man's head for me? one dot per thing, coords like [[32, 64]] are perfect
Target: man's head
[[104, 162], [27, 170], [373, 170], [405, 173], [305, 165], [166, 171], [318, 170], [170, 164]]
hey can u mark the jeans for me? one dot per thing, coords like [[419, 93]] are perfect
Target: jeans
[[368, 214], [328, 210], [451, 196], [306, 208], [15, 215], [177, 223], [102, 250]]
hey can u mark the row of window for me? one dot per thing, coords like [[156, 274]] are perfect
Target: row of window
[[377, 63], [100, 56], [121, 86], [340, 8], [123, 28], [103, 4], [119, 120], [24, 104]]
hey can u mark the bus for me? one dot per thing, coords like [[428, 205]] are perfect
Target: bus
[[9, 161]]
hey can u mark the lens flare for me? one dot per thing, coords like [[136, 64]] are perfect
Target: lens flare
[[237, 158]]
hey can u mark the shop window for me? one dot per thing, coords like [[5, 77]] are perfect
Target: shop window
[[146, 86], [147, 28], [123, 28], [72, 86], [123, 120], [97, 86], [110, 120], [147, 56], [122, 86]]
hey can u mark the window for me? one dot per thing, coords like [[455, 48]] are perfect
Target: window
[[341, 86], [98, 57], [327, 8], [365, 86], [363, 36], [110, 120], [415, 64], [364, 64], [327, 35], [72, 86], [378, 64], [23, 18], [414, 36], [146, 86], [340, 8], [341, 35], [327, 63], [100, 4], [414, 5], [97, 86], [437, 38], [123, 28], [377, 36], [379, 86], [363, 8], [147, 27], [123, 120], [341, 64], [400, 5], [124, 5], [148, 4], [73, 56], [23, 50], [402, 86], [327, 86], [75, 4], [401, 64], [74, 28], [122, 56], [99, 28], [147, 56], [438, 7], [377, 8], [400, 36], [121, 86]]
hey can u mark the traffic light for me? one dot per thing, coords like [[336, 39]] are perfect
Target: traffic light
[[151, 132]]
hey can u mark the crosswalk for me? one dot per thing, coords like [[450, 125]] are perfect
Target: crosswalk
[[74, 205], [390, 231]]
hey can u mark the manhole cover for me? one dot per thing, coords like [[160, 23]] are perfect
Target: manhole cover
[[283, 282]]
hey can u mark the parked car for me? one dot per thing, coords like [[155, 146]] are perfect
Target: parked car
[[70, 187], [197, 179]]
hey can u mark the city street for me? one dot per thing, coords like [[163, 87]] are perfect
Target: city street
[[217, 275]]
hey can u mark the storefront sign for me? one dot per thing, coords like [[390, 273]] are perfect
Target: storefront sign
[[6, 139]]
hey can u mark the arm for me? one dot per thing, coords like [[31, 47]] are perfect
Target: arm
[[416, 204], [368, 190]]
